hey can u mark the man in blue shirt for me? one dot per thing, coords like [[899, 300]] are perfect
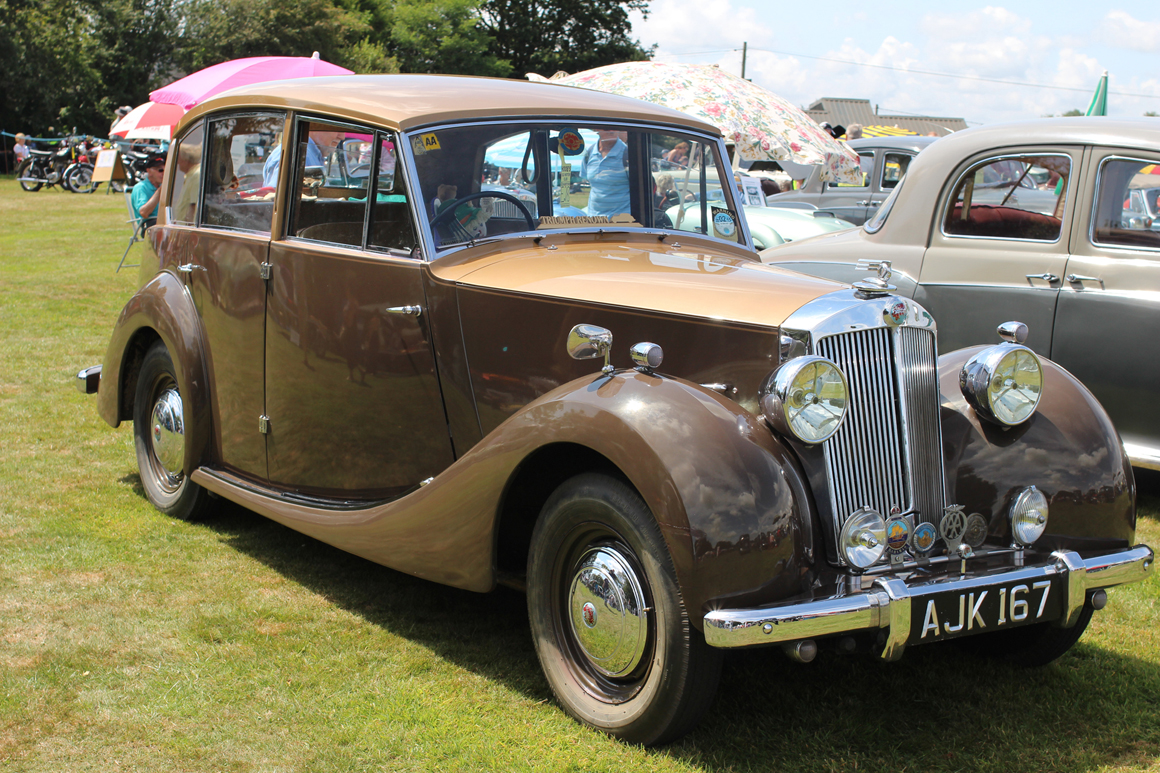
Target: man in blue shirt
[[147, 192], [318, 144], [605, 166]]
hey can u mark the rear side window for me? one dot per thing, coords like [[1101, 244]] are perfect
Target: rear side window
[[1013, 197], [893, 168], [1127, 192], [183, 200], [236, 196]]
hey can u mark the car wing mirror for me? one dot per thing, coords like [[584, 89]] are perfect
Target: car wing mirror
[[589, 342]]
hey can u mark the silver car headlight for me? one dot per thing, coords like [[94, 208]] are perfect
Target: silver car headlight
[[863, 538], [807, 397], [1028, 516], [1003, 383]]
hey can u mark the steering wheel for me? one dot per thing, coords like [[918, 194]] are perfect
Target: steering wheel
[[449, 210]]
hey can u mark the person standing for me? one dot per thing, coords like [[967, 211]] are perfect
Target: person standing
[[605, 166]]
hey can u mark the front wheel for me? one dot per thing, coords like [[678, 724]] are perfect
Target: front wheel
[[78, 178], [609, 625], [159, 437], [30, 175]]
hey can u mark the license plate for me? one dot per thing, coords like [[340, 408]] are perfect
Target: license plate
[[939, 616]]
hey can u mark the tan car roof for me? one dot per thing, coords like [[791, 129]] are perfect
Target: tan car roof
[[408, 101]]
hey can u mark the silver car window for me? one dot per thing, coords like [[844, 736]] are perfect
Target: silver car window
[[1000, 198], [1125, 187]]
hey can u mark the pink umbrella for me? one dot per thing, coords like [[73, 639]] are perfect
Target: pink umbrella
[[149, 121], [204, 84]]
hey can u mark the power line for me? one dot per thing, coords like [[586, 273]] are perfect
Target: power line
[[935, 74]]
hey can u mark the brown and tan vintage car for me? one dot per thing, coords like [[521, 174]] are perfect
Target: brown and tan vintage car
[[355, 321], [1042, 221]]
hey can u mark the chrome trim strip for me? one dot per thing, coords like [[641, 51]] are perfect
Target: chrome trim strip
[[1143, 456], [888, 603]]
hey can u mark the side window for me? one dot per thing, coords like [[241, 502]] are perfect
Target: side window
[[1124, 189], [866, 161], [235, 194], [894, 168], [187, 179], [328, 187], [1015, 197], [392, 229]]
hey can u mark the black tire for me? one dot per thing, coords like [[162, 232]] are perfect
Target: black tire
[[1032, 646], [79, 178], [26, 170], [645, 678], [159, 437]]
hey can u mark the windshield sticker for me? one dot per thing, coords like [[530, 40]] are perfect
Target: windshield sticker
[[430, 142], [724, 224], [565, 197], [563, 221], [418, 146], [571, 143]]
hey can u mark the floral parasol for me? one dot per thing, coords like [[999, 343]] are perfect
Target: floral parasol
[[762, 125]]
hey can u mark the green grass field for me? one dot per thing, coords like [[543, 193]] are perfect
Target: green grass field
[[130, 641]]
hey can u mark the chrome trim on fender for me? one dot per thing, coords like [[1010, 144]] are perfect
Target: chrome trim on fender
[[887, 604]]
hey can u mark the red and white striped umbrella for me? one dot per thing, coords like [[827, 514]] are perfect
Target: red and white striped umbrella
[[150, 121]]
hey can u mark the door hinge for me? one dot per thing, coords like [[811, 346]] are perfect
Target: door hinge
[[264, 425], [266, 270]]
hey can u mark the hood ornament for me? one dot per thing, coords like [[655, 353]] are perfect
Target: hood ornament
[[875, 286]]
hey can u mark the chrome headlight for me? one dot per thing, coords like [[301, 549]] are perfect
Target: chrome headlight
[[807, 398], [863, 538], [1028, 516], [1003, 383]]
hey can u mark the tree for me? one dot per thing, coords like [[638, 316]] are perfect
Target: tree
[[544, 36], [444, 36]]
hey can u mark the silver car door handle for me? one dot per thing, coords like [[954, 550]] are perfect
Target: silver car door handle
[[1078, 279], [412, 311], [1049, 278], [189, 268]]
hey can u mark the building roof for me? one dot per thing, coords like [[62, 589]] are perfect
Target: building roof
[[845, 111], [409, 101]]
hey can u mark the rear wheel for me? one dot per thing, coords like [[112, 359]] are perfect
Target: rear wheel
[[159, 437], [610, 627], [31, 176]]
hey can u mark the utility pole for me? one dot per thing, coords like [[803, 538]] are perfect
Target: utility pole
[[744, 52]]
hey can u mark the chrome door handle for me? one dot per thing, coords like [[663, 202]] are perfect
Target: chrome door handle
[[189, 268], [411, 311], [1049, 278], [1078, 279]]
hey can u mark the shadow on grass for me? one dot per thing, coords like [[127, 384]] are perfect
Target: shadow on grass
[[939, 708]]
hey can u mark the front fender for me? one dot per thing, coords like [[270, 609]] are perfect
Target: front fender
[[730, 500], [161, 308], [1068, 449]]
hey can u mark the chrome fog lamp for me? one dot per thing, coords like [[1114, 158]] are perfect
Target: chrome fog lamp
[[1028, 516], [1003, 383], [863, 538], [807, 398]]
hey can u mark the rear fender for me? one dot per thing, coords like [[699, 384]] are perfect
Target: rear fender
[[160, 309]]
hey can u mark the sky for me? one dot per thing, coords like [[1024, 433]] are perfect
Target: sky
[[1005, 62]]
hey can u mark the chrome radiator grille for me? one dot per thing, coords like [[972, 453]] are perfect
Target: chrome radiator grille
[[888, 452]]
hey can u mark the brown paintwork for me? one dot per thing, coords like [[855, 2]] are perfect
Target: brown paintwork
[[727, 496], [351, 389]]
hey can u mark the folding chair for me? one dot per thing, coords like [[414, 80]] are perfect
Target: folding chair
[[138, 234]]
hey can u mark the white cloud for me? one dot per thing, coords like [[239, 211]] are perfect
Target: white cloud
[[1123, 31], [697, 25]]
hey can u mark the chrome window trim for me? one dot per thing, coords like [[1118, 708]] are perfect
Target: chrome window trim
[[884, 209], [1095, 208], [1071, 177], [431, 253]]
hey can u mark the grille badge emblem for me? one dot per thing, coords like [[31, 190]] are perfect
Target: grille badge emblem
[[897, 535], [896, 313], [923, 538]]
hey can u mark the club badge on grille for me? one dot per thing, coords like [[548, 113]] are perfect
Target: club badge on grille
[[897, 535], [923, 538], [976, 530], [952, 527]]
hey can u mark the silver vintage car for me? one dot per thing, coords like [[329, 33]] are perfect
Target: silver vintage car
[[1029, 221]]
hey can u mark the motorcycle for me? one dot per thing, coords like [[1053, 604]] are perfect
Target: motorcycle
[[68, 166]]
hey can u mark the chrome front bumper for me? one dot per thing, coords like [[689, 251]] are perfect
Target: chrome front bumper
[[887, 602], [89, 380]]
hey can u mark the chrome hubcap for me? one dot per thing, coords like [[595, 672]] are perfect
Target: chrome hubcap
[[607, 611], [167, 431]]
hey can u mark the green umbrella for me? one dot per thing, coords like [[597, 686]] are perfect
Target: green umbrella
[[1099, 105]]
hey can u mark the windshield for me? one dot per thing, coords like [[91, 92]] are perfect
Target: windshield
[[487, 180]]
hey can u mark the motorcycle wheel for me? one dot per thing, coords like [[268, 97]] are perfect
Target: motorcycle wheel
[[78, 178], [27, 170]]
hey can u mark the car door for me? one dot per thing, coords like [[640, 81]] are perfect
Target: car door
[[1107, 328], [223, 232], [852, 202], [998, 246], [352, 393]]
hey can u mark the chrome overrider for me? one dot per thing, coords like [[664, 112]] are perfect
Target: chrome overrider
[[890, 601]]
